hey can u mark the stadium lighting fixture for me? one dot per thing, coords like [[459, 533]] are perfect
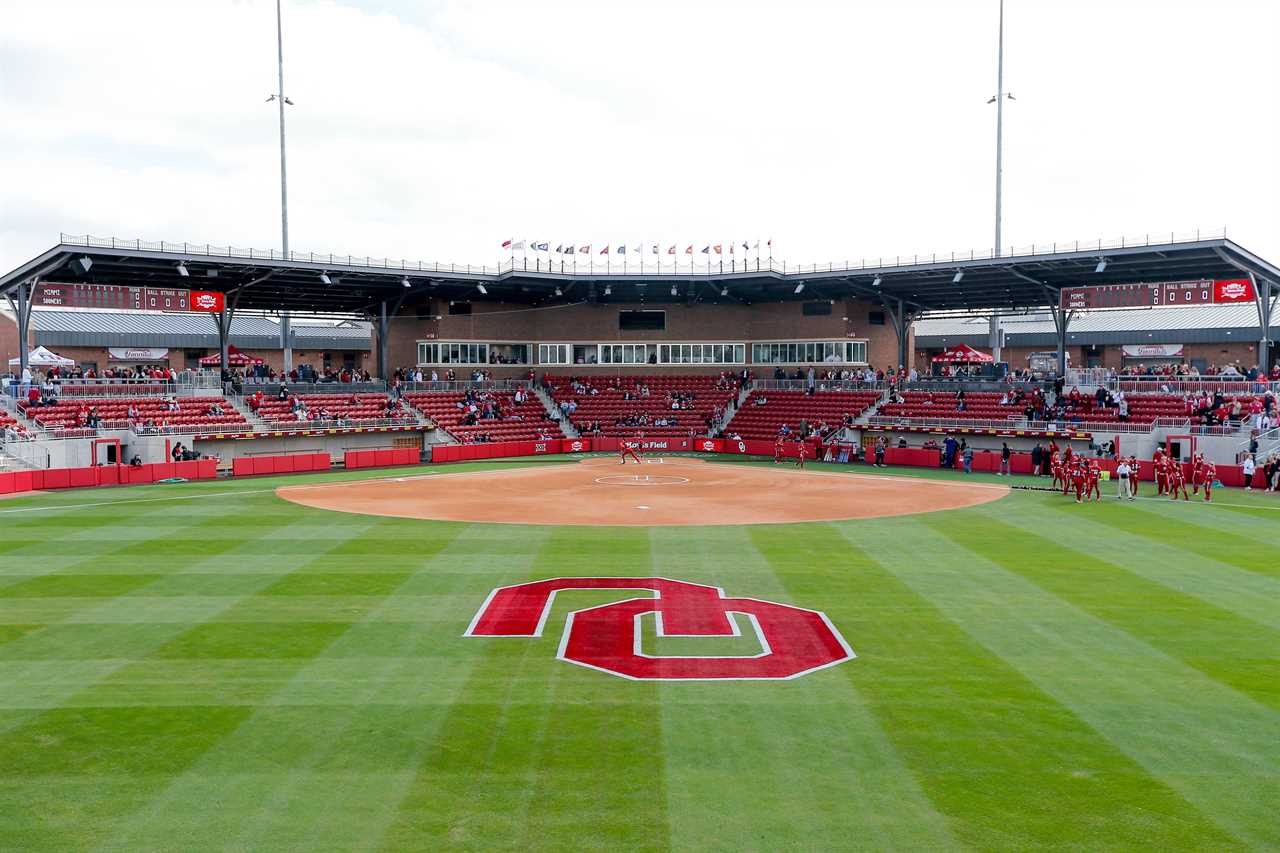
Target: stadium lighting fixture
[[724, 291], [608, 290], [1102, 266], [480, 287], [799, 287], [405, 281], [324, 278], [875, 282], [673, 291], [959, 275], [559, 292], [182, 270], [81, 265]]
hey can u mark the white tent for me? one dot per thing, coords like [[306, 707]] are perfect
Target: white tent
[[41, 357]]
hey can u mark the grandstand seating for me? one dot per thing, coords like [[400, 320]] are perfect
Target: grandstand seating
[[353, 407], [754, 421], [192, 411], [609, 404], [524, 422]]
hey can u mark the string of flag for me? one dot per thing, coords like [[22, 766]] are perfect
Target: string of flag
[[572, 248]]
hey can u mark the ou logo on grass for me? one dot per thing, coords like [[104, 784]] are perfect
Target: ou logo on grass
[[794, 641]]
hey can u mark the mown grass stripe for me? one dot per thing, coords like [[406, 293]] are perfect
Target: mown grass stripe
[[1164, 715], [62, 812], [1237, 653], [525, 746], [1008, 765], [276, 756], [818, 762], [1239, 551], [1247, 594]]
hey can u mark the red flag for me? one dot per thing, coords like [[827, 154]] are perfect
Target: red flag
[[688, 250], [586, 250], [672, 250], [605, 250], [717, 248]]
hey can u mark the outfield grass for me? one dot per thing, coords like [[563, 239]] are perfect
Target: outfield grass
[[206, 666]]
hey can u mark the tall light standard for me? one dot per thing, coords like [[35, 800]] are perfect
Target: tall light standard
[[281, 100], [998, 99]]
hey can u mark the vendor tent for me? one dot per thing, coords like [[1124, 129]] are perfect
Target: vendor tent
[[234, 357], [962, 354], [41, 357]]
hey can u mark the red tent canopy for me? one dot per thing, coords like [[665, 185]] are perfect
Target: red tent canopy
[[963, 354], [234, 357]]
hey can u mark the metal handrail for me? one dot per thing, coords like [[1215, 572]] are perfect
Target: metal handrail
[[820, 384], [593, 266], [886, 422], [463, 386]]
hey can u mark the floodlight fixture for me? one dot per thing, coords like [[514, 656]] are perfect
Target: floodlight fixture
[[182, 269], [480, 287], [958, 276], [1102, 266], [324, 278]]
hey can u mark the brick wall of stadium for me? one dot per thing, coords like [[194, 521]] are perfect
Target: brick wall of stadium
[[584, 323]]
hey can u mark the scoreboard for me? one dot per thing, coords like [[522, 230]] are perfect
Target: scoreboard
[[122, 298], [1166, 294]]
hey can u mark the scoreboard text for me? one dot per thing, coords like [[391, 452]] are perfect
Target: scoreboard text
[[1167, 294]]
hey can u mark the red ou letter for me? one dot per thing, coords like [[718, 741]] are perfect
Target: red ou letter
[[794, 640]]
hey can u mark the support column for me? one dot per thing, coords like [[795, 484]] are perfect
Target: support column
[[223, 319], [22, 314], [1266, 304], [384, 347], [901, 327], [286, 341], [993, 336]]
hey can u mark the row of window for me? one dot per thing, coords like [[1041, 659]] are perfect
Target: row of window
[[782, 352]]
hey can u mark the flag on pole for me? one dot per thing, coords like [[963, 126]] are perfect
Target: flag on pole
[[731, 248], [622, 250], [688, 250], [506, 244], [637, 248], [655, 248], [517, 246], [541, 247], [605, 250], [560, 249], [568, 250], [586, 250], [717, 248], [706, 250], [745, 247], [672, 250], [757, 246]]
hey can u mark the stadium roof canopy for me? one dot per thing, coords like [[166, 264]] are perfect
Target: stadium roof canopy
[[1178, 325], [262, 280], [145, 329]]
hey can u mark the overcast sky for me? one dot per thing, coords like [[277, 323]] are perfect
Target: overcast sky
[[435, 130]]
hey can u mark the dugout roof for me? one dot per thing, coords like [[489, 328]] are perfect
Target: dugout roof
[[259, 280]]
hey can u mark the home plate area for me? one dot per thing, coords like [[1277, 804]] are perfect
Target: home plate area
[[676, 491]]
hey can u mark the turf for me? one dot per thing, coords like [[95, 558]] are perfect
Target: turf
[[206, 666]]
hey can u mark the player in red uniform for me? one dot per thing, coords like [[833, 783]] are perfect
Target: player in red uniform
[[630, 448], [802, 448], [1093, 478], [1158, 460], [1055, 466], [1210, 476], [1078, 477], [1133, 476], [1177, 481], [1197, 472], [778, 444]]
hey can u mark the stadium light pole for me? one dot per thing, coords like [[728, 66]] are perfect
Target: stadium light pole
[[281, 100], [994, 335]]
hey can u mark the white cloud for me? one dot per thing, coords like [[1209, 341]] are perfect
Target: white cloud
[[840, 129]]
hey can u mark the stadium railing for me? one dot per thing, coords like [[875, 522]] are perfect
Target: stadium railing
[[464, 386], [277, 425], [967, 384], [1020, 424], [1193, 385], [611, 266], [820, 384], [28, 450]]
